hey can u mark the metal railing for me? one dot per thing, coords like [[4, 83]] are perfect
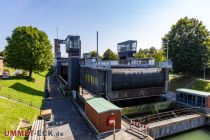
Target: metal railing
[[127, 63], [166, 115]]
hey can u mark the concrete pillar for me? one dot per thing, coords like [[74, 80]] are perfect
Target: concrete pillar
[[166, 80], [57, 53], [74, 69], [109, 84]]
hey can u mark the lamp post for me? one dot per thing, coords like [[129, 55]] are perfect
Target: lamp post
[[166, 70], [204, 68], [167, 54]]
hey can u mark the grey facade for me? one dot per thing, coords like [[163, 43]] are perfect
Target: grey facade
[[121, 83], [124, 79]]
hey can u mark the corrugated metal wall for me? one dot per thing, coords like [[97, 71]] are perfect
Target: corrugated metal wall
[[134, 78]]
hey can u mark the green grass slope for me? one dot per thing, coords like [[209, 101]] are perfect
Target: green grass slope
[[202, 85], [178, 82], [11, 113], [27, 90]]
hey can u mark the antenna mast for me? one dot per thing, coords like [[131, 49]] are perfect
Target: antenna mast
[[97, 45], [57, 32]]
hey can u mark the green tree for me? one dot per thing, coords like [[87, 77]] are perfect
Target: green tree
[[93, 54], [2, 53], [141, 54], [110, 55], [187, 49], [159, 56], [152, 52], [207, 43], [29, 49]]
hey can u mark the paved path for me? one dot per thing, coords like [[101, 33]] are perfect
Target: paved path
[[65, 118]]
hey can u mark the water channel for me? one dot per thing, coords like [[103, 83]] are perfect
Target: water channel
[[195, 134]]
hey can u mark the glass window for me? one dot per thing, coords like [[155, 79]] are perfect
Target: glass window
[[134, 45], [199, 100], [193, 100], [203, 101], [184, 98], [181, 97], [189, 101]]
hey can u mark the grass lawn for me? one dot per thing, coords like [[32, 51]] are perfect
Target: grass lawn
[[178, 82], [202, 85], [25, 89], [11, 113]]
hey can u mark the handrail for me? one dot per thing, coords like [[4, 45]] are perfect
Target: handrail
[[107, 64], [179, 112]]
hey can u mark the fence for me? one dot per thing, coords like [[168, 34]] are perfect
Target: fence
[[126, 63], [166, 115], [10, 97]]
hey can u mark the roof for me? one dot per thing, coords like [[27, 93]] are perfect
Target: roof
[[101, 105], [195, 92], [126, 42]]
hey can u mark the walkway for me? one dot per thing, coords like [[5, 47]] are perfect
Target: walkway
[[65, 118]]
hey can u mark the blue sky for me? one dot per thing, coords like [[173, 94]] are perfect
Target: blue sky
[[116, 20]]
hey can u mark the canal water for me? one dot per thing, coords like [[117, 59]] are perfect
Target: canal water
[[196, 134]]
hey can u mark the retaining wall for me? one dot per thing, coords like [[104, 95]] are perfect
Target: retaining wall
[[176, 125]]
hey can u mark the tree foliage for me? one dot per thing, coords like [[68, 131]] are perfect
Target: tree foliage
[[93, 54], [110, 55], [188, 47], [2, 53], [152, 52], [29, 49]]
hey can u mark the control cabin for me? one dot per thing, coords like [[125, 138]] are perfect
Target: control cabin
[[193, 97]]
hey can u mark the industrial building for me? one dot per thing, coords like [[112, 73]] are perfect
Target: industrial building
[[127, 78], [98, 84]]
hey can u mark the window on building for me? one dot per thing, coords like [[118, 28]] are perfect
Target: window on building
[[203, 102], [199, 101], [189, 101], [181, 97], [177, 96], [193, 100], [184, 98]]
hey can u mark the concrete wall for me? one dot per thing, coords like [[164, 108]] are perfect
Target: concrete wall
[[177, 126]]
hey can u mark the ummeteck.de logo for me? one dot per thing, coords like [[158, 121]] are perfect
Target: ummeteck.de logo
[[18, 133], [27, 133]]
